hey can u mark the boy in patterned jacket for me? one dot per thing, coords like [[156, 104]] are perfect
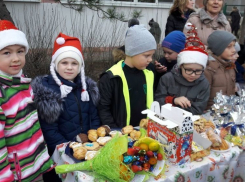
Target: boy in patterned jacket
[[23, 154]]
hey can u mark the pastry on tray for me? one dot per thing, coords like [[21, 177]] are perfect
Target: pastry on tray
[[103, 140], [91, 146]]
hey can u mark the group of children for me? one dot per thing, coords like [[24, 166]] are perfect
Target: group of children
[[63, 105]]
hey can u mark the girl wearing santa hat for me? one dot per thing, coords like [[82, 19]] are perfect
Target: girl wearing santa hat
[[23, 153], [66, 99], [186, 86]]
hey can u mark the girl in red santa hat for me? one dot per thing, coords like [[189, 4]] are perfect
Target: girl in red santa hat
[[186, 86], [66, 99], [23, 153]]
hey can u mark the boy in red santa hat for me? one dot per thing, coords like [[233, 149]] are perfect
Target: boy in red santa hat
[[186, 86]]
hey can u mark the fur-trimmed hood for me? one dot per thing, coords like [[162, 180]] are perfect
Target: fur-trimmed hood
[[50, 104]]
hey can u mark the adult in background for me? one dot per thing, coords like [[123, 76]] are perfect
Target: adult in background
[[235, 20], [209, 19], [155, 30], [178, 15]]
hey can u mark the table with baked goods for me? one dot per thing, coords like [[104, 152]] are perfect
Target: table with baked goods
[[217, 167]]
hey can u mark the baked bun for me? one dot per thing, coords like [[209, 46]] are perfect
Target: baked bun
[[103, 140], [92, 135], [79, 152], [114, 133], [135, 135], [127, 129], [101, 132], [144, 123]]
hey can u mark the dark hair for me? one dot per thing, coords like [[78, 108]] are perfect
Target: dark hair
[[133, 22], [151, 22]]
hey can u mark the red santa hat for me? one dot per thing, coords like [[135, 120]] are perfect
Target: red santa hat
[[64, 47], [10, 35], [194, 51]]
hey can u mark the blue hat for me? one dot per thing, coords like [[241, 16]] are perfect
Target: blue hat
[[174, 41]]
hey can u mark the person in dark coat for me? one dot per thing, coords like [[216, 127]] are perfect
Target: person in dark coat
[[155, 30], [65, 100], [235, 20], [186, 86], [178, 15], [126, 88]]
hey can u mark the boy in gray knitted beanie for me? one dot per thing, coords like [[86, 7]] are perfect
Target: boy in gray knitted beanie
[[127, 87], [220, 69]]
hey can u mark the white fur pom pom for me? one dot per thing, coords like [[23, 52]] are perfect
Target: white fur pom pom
[[188, 26], [85, 96], [65, 90], [60, 40]]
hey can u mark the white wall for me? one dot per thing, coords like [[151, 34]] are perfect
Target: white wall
[[37, 18]]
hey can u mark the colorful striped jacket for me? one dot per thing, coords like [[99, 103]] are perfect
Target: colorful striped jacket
[[23, 153]]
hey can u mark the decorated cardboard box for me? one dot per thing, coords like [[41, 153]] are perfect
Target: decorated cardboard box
[[173, 127]]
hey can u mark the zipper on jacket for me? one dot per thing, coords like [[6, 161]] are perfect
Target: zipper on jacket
[[17, 166], [79, 107]]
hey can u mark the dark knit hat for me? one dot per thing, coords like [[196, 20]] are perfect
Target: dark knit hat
[[174, 41], [219, 40], [133, 22]]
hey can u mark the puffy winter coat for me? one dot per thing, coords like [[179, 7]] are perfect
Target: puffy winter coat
[[174, 84], [206, 25], [220, 77], [176, 22], [62, 119], [23, 153]]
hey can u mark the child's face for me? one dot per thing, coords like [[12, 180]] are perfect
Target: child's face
[[169, 54], [12, 59], [235, 56], [142, 60], [229, 52], [191, 71], [68, 68]]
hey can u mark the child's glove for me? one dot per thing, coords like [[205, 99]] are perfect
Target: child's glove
[[82, 138]]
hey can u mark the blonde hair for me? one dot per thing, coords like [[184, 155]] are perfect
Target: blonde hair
[[179, 4]]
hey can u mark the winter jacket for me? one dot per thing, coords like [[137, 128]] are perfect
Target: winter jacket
[[114, 105], [235, 20], [220, 78], [167, 64], [206, 25], [62, 119], [176, 21], [156, 31], [175, 85], [239, 73], [23, 154]]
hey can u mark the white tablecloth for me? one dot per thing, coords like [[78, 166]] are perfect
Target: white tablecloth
[[217, 167]]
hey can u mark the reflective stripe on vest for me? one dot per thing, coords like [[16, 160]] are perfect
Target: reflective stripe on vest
[[118, 71]]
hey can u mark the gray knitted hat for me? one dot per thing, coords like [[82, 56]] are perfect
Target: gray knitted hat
[[219, 40], [138, 40]]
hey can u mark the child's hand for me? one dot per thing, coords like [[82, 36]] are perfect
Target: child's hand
[[160, 68], [182, 102]]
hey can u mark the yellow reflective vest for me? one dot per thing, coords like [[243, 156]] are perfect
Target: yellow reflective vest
[[149, 76]]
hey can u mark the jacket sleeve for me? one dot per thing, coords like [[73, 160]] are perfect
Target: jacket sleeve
[[6, 174], [200, 104], [106, 91], [94, 117], [52, 134], [169, 25], [162, 91]]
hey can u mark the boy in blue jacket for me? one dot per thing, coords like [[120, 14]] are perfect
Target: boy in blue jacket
[[66, 100]]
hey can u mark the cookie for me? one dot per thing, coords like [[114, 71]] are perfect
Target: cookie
[[91, 146], [103, 140], [90, 155]]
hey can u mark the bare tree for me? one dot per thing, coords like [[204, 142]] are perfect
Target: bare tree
[[4, 13]]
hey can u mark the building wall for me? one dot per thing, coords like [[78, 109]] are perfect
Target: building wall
[[48, 19]]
